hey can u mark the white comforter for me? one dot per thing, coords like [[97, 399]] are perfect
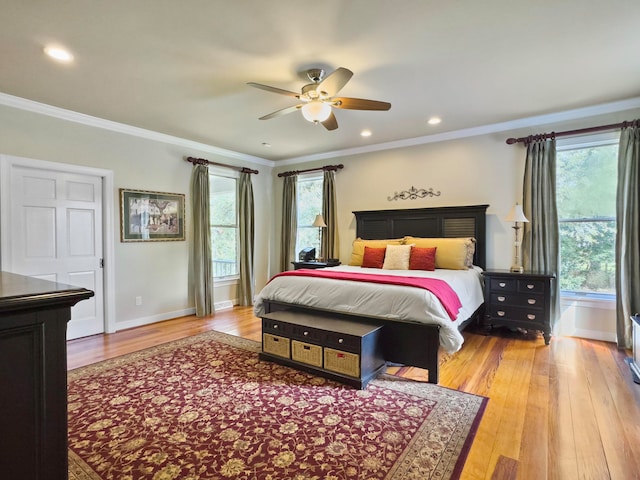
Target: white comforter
[[382, 300]]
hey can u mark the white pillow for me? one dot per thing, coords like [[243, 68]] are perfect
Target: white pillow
[[397, 257]]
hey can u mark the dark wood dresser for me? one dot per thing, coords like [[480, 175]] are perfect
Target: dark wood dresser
[[518, 300], [33, 376]]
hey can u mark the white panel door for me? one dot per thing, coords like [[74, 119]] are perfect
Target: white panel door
[[56, 234]]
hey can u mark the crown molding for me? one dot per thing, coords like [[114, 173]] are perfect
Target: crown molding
[[527, 122], [71, 116]]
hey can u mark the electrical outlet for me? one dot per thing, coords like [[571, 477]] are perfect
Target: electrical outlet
[[138, 301]]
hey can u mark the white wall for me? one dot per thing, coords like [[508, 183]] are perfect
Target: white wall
[[481, 169], [159, 272], [468, 171]]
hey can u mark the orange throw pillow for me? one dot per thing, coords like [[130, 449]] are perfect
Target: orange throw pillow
[[373, 257], [422, 258]]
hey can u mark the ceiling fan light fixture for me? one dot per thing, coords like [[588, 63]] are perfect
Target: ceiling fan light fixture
[[316, 112]]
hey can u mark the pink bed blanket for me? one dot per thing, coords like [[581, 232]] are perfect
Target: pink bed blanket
[[441, 289]]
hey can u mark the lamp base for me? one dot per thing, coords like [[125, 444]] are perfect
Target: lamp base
[[517, 269]]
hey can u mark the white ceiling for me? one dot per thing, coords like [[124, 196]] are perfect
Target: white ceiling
[[181, 67]]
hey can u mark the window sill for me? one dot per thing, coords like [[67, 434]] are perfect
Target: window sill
[[225, 282], [589, 300]]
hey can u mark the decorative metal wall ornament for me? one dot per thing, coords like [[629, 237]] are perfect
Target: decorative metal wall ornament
[[414, 193]]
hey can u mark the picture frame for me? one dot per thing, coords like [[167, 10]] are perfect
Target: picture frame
[[147, 216]]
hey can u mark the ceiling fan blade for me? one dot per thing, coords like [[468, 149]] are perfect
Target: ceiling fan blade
[[274, 89], [284, 111], [334, 82], [330, 123], [359, 104]]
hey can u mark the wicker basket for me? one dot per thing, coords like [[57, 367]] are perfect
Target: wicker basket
[[306, 353], [342, 362], [275, 345]]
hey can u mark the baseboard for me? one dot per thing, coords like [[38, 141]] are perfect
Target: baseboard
[[593, 335], [138, 322], [223, 305]]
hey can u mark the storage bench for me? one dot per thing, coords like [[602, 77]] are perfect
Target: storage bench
[[325, 344]]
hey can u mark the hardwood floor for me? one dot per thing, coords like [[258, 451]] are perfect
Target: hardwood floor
[[569, 410]]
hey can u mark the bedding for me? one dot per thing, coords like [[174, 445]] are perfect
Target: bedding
[[382, 301]]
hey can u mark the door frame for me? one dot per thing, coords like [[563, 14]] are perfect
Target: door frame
[[7, 162]]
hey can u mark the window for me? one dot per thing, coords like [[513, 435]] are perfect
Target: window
[[586, 180], [309, 204], [223, 214]]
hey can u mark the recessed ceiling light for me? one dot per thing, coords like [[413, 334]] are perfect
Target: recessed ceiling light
[[434, 120], [59, 54], [365, 133]]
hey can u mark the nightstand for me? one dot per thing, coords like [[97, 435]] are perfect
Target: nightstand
[[518, 300], [299, 265]]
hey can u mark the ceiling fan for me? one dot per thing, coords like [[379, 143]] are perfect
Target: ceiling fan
[[318, 97]]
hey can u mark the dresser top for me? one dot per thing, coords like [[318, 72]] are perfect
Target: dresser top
[[525, 274], [20, 291]]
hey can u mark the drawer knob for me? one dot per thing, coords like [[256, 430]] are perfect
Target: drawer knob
[[502, 284], [305, 333], [530, 287], [341, 340], [501, 299], [275, 326], [500, 313], [531, 316], [531, 301]]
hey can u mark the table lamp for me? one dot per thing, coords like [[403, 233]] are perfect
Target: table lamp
[[319, 222], [516, 215]]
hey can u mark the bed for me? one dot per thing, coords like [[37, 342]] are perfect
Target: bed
[[414, 328]]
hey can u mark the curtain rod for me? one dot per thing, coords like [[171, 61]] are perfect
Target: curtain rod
[[544, 136], [326, 168], [204, 161]]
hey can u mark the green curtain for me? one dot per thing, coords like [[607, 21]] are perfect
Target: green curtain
[[541, 243], [247, 239], [202, 274], [627, 232], [289, 222], [330, 241]]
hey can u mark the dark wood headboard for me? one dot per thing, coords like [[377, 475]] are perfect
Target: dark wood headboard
[[468, 221]]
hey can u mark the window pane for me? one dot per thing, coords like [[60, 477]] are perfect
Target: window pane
[[223, 200], [223, 221], [225, 251], [309, 201], [586, 180], [587, 256]]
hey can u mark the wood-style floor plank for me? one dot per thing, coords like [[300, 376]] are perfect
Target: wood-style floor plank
[[565, 411], [533, 461]]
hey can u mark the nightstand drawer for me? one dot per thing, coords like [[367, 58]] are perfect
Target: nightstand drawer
[[507, 312], [531, 286], [503, 284], [518, 300]]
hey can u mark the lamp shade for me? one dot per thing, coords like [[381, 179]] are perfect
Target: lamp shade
[[516, 214], [319, 221], [316, 111]]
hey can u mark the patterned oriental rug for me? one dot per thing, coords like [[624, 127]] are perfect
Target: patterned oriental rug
[[205, 407]]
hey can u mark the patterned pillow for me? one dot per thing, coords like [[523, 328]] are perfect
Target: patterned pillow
[[423, 258], [397, 257], [373, 257]]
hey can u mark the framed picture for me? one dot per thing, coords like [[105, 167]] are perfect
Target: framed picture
[[151, 216]]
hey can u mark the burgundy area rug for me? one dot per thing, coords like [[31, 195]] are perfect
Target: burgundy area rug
[[206, 407]]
